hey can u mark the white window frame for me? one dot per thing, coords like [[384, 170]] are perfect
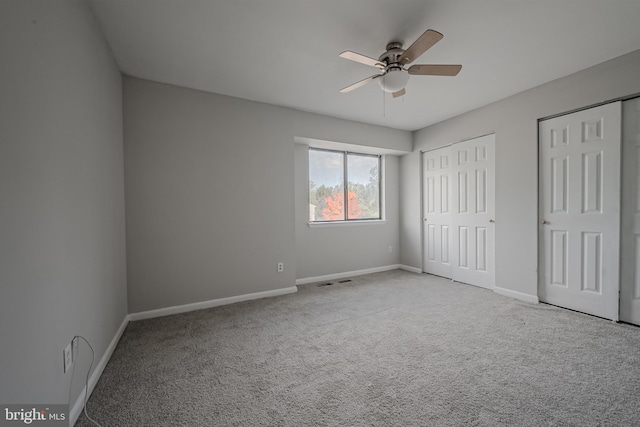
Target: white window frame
[[381, 195]]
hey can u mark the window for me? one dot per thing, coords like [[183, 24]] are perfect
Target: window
[[338, 179]]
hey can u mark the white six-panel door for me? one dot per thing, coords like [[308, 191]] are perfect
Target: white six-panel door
[[473, 211], [630, 238], [436, 208], [580, 210], [458, 210]]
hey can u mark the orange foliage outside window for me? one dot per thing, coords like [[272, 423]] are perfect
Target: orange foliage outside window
[[335, 206]]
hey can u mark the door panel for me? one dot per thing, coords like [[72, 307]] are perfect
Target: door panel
[[558, 258], [580, 210], [630, 239], [463, 247], [481, 249], [473, 211], [437, 212]]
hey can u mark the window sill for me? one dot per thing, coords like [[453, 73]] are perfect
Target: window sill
[[347, 223]]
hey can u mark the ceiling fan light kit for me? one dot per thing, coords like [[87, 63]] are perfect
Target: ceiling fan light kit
[[393, 80], [392, 62]]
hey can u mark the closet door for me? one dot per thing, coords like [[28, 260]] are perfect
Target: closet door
[[436, 208], [473, 211], [630, 239], [579, 201]]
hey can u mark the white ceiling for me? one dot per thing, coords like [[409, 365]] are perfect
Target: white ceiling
[[285, 52]]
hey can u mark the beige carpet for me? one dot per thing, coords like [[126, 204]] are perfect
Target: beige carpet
[[387, 349]]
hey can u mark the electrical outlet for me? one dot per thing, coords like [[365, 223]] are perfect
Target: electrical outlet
[[67, 358], [280, 267], [390, 249], [74, 349]]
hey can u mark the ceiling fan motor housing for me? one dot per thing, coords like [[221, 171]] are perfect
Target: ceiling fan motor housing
[[390, 57], [394, 78]]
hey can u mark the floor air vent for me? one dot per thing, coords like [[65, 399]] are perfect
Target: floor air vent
[[331, 283]]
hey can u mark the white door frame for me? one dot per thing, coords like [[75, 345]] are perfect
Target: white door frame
[[630, 218]]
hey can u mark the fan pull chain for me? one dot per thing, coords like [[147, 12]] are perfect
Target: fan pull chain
[[384, 105]]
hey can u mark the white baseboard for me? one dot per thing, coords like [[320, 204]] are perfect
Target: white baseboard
[[410, 268], [346, 274], [78, 406], [208, 304], [533, 299]]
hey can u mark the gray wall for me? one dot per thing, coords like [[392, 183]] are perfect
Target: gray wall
[[514, 120], [62, 256], [210, 192]]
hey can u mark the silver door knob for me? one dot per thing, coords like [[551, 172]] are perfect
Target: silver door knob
[[492, 220]]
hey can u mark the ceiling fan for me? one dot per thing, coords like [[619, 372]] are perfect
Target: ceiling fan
[[394, 76]]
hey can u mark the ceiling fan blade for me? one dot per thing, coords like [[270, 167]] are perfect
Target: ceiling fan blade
[[434, 70], [399, 93], [420, 46], [360, 83], [353, 56]]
